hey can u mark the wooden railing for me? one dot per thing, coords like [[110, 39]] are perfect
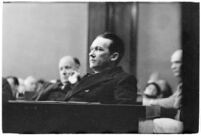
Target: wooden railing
[[62, 117]]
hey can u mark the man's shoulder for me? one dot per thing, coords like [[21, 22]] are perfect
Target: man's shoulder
[[114, 74], [50, 86], [121, 74]]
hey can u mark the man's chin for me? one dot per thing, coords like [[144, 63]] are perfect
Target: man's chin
[[177, 74], [92, 67]]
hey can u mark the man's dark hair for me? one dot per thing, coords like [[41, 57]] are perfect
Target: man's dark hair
[[117, 44], [76, 60], [16, 81]]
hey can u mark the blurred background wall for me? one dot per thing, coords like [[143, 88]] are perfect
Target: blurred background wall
[[37, 35], [159, 35]]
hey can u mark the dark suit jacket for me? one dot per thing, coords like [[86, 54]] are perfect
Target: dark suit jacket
[[6, 91], [53, 92], [112, 86]]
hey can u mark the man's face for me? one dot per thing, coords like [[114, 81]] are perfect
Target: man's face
[[99, 56], [66, 68], [31, 84], [176, 61]]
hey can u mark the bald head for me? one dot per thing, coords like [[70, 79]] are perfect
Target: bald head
[[176, 60], [30, 83], [67, 65], [71, 61]]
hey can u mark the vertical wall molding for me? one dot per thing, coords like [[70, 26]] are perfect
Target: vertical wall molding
[[121, 19]]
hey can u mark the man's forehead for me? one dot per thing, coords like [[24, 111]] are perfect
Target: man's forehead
[[100, 41], [66, 61], [176, 56], [30, 79], [10, 79]]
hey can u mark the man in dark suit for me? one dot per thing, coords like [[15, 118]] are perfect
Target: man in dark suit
[[14, 84], [68, 71], [108, 84]]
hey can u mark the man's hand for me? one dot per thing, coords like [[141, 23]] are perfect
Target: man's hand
[[74, 77]]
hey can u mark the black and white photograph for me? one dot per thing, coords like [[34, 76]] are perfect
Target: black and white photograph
[[100, 67]]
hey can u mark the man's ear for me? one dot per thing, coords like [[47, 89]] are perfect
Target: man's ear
[[114, 56]]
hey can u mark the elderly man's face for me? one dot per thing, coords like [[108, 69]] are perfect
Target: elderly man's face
[[31, 84], [66, 68], [176, 61], [99, 56]]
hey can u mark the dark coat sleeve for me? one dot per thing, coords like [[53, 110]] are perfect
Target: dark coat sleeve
[[44, 92], [126, 90], [6, 91]]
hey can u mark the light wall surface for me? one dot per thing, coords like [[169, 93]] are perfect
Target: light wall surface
[[159, 34], [37, 35]]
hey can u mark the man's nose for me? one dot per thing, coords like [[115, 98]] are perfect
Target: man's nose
[[64, 72], [91, 54], [173, 66]]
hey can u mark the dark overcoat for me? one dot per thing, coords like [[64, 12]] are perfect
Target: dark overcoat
[[53, 92], [112, 86]]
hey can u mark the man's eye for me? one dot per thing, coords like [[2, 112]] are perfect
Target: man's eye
[[67, 67], [99, 49], [91, 49]]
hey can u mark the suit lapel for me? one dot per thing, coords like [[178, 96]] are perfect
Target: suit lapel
[[89, 82], [92, 80]]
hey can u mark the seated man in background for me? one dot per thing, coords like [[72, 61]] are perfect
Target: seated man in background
[[6, 91], [167, 125], [14, 84], [68, 70], [30, 84], [41, 85], [30, 87], [21, 89], [108, 84], [155, 88]]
